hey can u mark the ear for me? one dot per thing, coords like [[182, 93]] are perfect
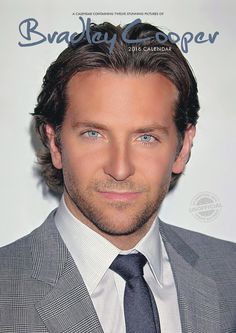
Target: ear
[[184, 154], [54, 150]]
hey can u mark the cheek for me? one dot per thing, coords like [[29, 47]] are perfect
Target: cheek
[[80, 164], [157, 169], [156, 166]]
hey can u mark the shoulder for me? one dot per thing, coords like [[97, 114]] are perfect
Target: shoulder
[[16, 255], [16, 258]]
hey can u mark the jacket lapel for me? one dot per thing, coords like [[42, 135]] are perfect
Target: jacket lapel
[[66, 306], [197, 293]]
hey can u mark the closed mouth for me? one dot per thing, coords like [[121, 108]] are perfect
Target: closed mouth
[[117, 195]]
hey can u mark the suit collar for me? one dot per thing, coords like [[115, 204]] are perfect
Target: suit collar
[[66, 305], [170, 236], [197, 293], [48, 252]]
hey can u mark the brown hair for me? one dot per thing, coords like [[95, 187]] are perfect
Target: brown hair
[[84, 56]]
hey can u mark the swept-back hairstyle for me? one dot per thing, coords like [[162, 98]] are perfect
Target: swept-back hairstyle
[[166, 59]]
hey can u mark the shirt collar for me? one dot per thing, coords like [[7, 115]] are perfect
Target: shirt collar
[[150, 247], [93, 254]]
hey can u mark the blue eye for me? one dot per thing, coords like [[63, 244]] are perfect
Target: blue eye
[[146, 138], [92, 134]]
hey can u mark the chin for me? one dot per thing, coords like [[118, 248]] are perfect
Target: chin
[[121, 226]]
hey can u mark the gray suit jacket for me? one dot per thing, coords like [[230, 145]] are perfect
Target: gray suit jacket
[[41, 290]]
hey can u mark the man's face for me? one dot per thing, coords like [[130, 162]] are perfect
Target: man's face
[[118, 148]]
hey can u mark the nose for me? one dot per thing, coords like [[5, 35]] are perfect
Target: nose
[[119, 164]]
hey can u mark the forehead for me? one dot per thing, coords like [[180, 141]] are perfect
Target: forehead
[[108, 94]]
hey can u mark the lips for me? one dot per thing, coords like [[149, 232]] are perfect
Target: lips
[[122, 196]]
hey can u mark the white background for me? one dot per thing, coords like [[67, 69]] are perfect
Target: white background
[[211, 169]]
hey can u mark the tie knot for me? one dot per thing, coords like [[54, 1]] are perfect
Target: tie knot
[[129, 266]]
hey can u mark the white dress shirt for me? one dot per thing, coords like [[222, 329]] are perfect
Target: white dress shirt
[[93, 255]]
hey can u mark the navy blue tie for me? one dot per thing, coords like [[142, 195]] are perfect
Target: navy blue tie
[[141, 315]]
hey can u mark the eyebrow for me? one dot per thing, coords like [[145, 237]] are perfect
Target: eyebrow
[[89, 124], [153, 128], [147, 129]]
